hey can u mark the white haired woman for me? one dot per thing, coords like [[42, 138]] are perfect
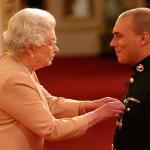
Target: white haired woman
[[28, 113]]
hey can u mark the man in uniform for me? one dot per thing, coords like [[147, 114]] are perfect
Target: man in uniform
[[131, 41]]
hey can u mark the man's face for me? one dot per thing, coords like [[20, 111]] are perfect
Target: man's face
[[125, 41]]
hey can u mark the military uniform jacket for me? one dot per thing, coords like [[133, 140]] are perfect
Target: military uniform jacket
[[133, 130]]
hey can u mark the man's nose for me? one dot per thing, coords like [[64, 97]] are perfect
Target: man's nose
[[111, 44]]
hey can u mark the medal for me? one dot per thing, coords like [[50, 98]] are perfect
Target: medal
[[119, 123]]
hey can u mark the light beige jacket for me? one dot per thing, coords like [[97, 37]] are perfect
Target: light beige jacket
[[29, 114]]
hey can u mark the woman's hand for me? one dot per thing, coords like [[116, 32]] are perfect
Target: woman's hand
[[92, 105], [112, 109]]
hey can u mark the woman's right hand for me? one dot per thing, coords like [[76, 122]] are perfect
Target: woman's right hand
[[109, 110]]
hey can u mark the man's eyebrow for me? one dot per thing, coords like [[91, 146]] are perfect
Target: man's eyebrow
[[116, 33]]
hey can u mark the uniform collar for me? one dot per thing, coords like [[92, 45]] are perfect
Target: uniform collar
[[142, 65]]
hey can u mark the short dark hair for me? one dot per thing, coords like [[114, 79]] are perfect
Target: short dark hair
[[140, 17]]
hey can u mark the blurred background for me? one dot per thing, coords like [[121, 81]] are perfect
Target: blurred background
[[86, 67]]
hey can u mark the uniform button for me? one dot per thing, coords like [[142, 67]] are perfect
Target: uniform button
[[140, 68], [113, 147], [128, 109], [131, 80]]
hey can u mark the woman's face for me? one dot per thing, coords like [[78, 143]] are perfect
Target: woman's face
[[44, 54]]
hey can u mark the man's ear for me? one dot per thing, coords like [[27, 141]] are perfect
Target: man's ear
[[144, 38]]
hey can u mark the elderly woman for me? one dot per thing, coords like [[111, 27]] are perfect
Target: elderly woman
[[28, 113]]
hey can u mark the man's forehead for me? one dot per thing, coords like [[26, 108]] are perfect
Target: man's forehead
[[122, 24], [124, 20]]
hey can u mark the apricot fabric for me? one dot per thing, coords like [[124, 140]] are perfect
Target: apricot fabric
[[29, 114]]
